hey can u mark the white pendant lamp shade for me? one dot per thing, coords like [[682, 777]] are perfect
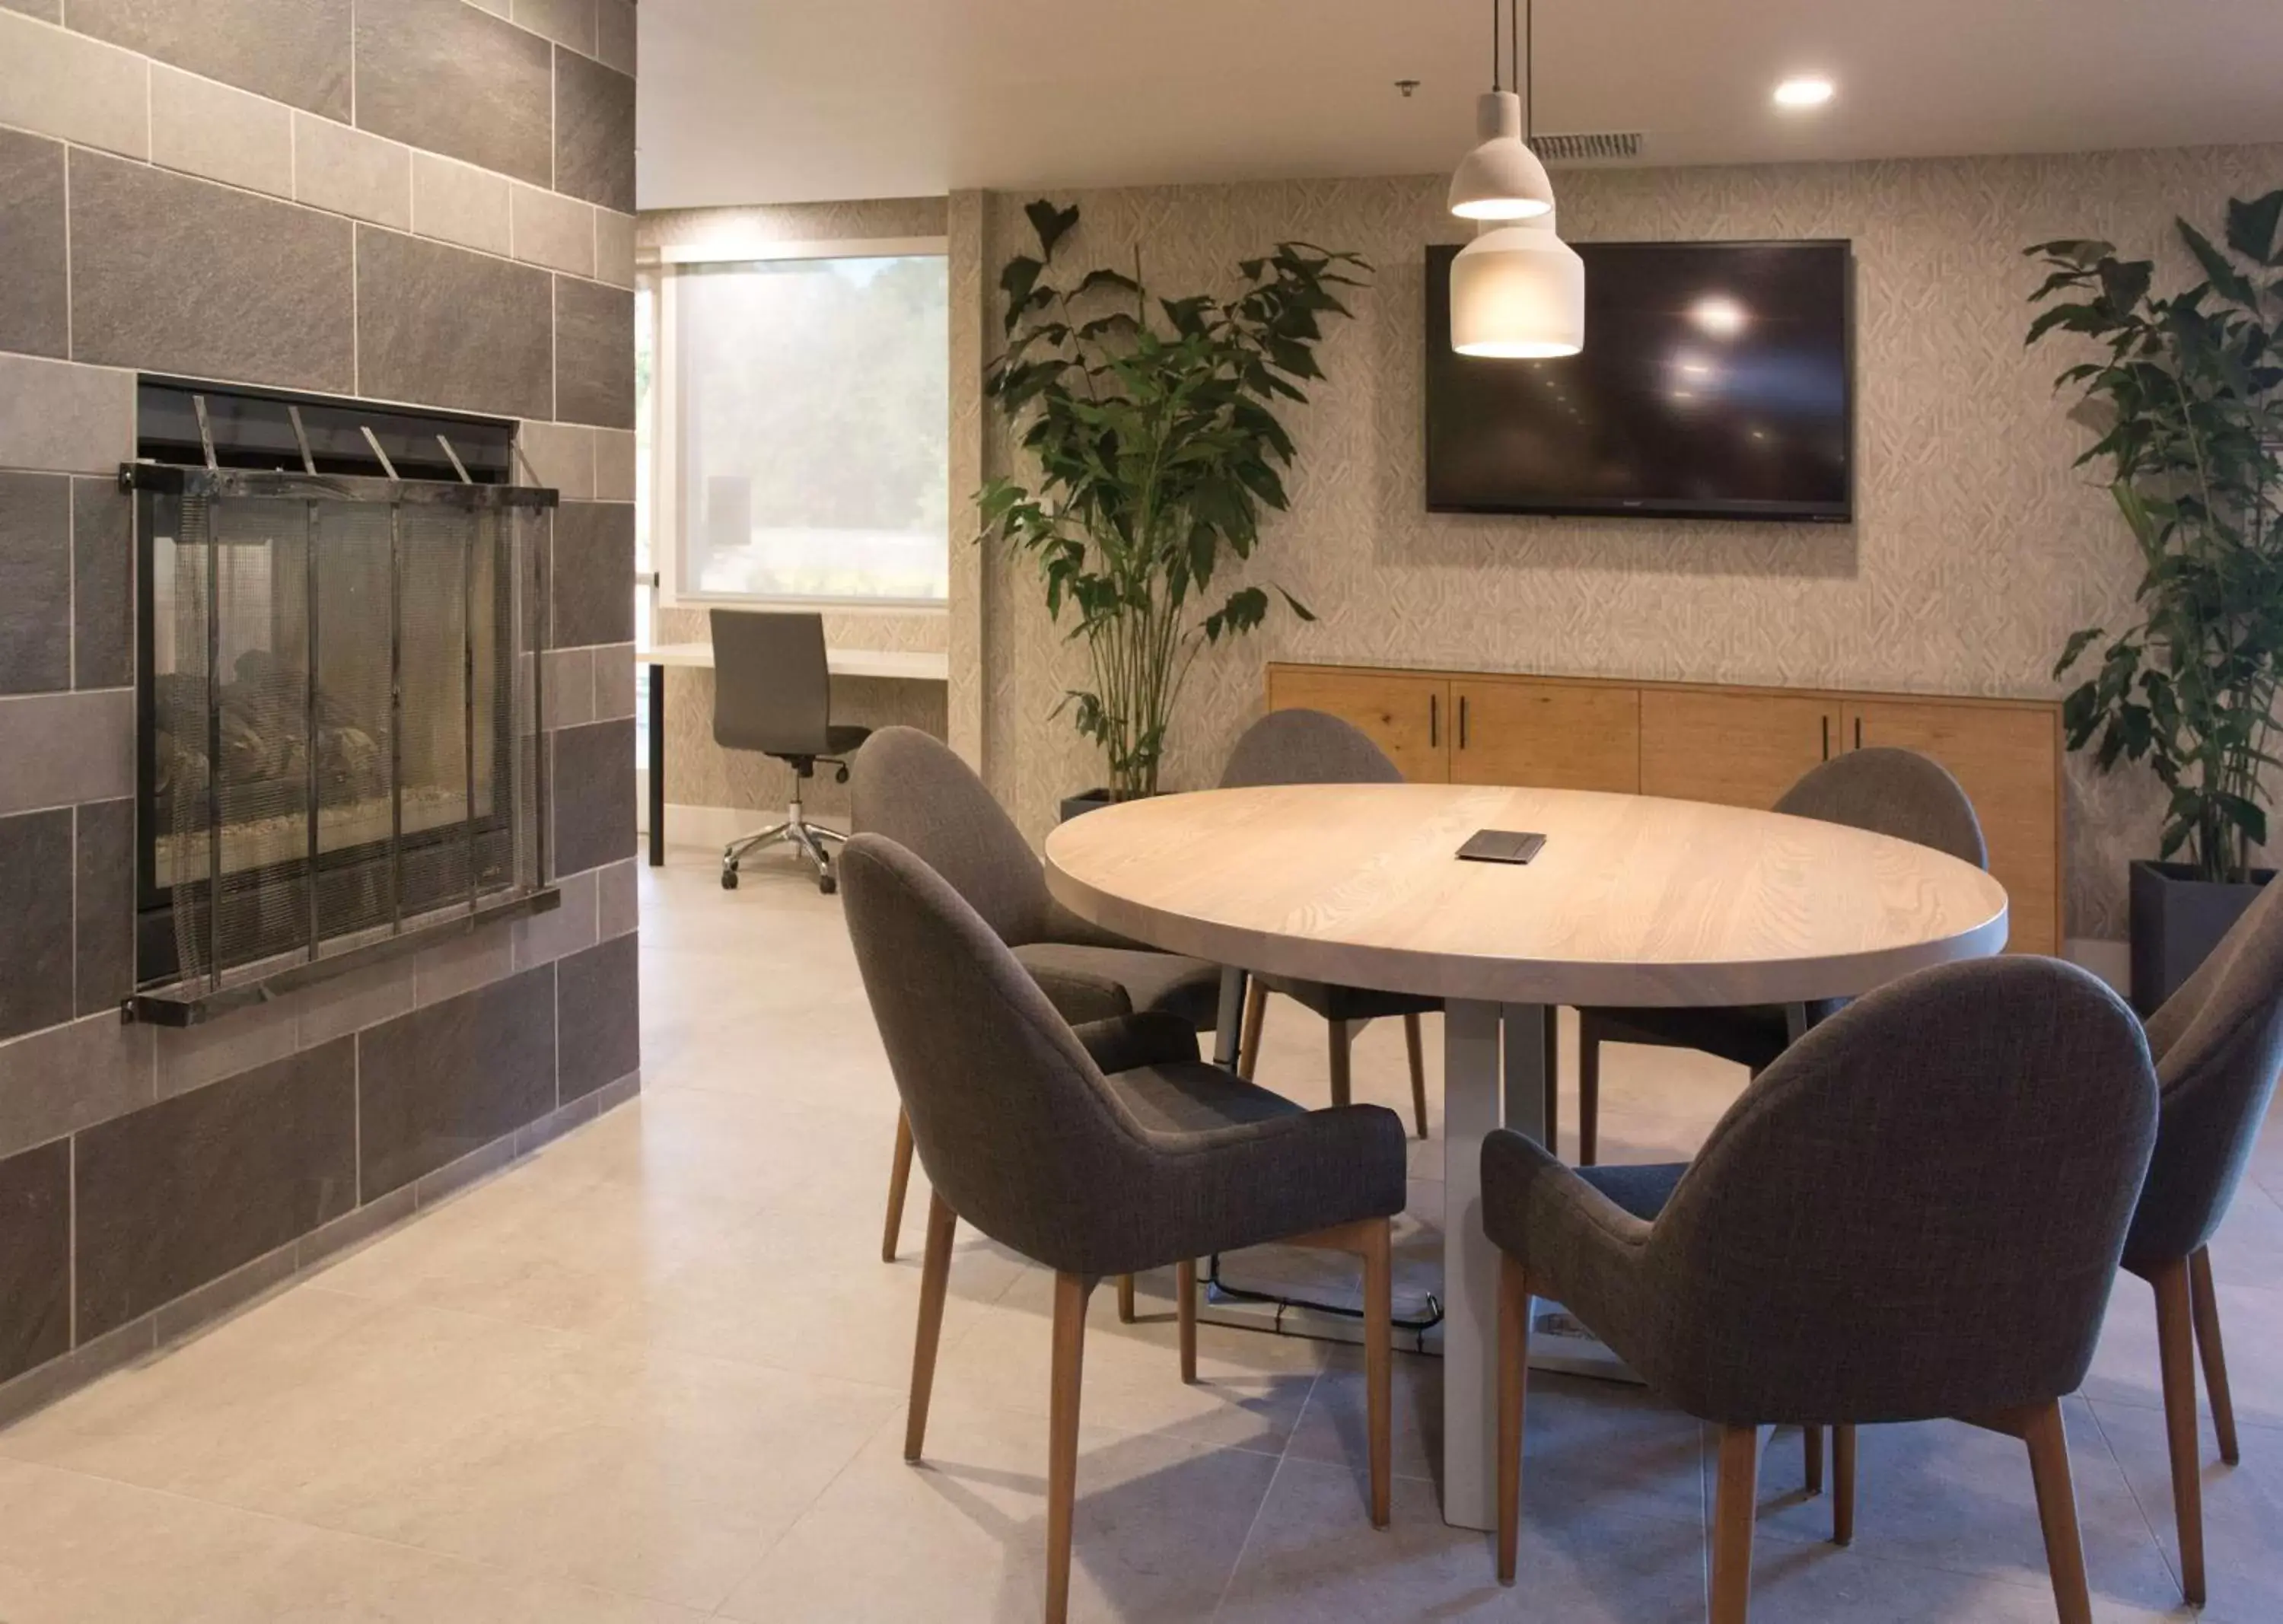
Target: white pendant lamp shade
[[1518, 294], [1501, 179]]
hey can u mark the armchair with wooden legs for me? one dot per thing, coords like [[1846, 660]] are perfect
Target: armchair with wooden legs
[[1096, 1153], [1970, 1141]]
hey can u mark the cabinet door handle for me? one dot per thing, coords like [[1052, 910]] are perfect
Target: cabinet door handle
[[1434, 721], [1858, 732], [1463, 722], [1826, 736]]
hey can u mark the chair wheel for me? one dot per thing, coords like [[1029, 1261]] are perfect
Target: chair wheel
[[728, 880], [826, 884], [841, 777]]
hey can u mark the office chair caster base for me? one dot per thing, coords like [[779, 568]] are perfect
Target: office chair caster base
[[728, 880], [826, 884]]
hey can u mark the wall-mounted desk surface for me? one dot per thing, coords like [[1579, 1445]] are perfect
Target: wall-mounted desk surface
[[891, 665]]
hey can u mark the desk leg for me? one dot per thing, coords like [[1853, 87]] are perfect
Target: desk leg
[[1227, 1029], [657, 766], [1471, 1109]]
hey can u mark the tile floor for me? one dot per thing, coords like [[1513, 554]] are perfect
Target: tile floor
[[655, 1373]]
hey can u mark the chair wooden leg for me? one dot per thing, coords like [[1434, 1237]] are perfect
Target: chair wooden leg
[[1379, 1363], [1414, 1046], [1126, 1300], [2175, 1356], [1589, 1093], [899, 1179], [1811, 1445], [1071, 1292], [2206, 1301], [1735, 1506], [1341, 1042], [1185, 1313], [2049, 1466], [935, 1280], [1843, 1485], [1256, 1011], [1513, 1355]]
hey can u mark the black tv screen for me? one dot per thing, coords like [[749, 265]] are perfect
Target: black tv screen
[[1716, 382]]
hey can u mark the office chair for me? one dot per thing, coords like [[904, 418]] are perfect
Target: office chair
[[773, 693]]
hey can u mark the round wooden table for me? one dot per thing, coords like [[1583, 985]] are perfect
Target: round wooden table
[[1633, 901]]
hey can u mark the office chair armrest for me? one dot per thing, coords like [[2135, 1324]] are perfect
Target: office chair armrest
[[1151, 1038]]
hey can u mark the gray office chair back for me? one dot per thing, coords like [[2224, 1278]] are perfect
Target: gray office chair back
[[2218, 1044], [914, 789], [1897, 793], [1918, 1209], [1305, 746], [772, 687]]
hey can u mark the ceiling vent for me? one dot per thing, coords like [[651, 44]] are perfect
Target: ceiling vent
[[1587, 148]]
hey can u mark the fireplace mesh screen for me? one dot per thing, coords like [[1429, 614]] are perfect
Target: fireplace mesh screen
[[344, 713]]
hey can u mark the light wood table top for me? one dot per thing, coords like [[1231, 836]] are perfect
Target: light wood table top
[[900, 665], [1633, 901]]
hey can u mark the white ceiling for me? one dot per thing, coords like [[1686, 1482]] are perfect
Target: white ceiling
[[764, 101]]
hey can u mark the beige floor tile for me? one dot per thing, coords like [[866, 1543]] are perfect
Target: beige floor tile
[[2242, 1505], [2126, 1369], [1822, 1584]]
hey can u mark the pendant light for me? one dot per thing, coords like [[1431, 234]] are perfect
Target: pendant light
[[1518, 291]]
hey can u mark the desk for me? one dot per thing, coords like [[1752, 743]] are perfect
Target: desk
[[893, 665], [1634, 900]]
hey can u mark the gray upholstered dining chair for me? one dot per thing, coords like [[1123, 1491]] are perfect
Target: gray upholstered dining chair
[[914, 789], [1096, 1154], [1307, 746], [1889, 792], [1971, 1142], [773, 694]]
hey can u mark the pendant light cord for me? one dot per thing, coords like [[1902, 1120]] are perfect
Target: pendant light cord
[[1497, 64], [1529, 65]]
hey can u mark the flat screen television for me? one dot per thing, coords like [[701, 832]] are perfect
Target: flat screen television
[[1716, 382]]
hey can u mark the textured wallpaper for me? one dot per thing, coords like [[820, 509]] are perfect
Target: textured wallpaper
[[1976, 548]]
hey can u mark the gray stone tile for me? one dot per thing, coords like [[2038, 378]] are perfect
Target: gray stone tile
[[462, 1172], [615, 465], [598, 1003], [618, 899], [35, 1257], [594, 573], [352, 172], [217, 1299], [36, 899], [594, 354], [91, 1360], [35, 612], [56, 415], [567, 695], [193, 1058], [210, 129], [555, 1124], [614, 247], [614, 33], [171, 274], [35, 283], [455, 1077], [562, 930], [329, 1240], [562, 456], [102, 860], [553, 230], [614, 1095], [73, 88], [63, 748], [103, 584], [443, 327], [458, 204], [294, 51], [594, 132], [364, 998], [593, 795], [182, 1192], [463, 964], [567, 22], [67, 1078], [614, 682], [447, 78]]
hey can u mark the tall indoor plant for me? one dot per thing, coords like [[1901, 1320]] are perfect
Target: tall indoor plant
[[1153, 426], [2189, 400]]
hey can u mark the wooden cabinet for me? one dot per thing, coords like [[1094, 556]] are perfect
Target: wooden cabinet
[[1404, 713], [2007, 759], [1545, 735], [1736, 746], [1730, 747]]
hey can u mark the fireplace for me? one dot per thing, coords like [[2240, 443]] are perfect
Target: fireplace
[[339, 728]]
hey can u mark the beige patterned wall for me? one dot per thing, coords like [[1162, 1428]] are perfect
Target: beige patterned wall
[[1977, 548]]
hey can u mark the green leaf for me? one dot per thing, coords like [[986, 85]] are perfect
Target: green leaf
[[1050, 224], [2077, 643], [2251, 228], [2226, 280]]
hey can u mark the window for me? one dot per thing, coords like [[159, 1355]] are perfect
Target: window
[[806, 432]]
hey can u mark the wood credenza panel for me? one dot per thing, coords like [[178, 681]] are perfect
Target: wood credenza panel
[[1544, 734], [1403, 713], [1734, 749]]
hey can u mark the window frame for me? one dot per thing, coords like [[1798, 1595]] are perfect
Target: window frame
[[667, 405]]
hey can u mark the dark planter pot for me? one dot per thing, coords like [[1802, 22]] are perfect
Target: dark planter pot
[[1085, 800], [2178, 919]]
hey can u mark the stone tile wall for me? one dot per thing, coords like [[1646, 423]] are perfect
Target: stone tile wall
[[427, 201]]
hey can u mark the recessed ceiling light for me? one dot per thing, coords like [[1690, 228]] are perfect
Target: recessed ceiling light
[[1805, 93]]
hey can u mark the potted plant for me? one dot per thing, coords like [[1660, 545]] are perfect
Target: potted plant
[[2189, 400], [1153, 426]]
